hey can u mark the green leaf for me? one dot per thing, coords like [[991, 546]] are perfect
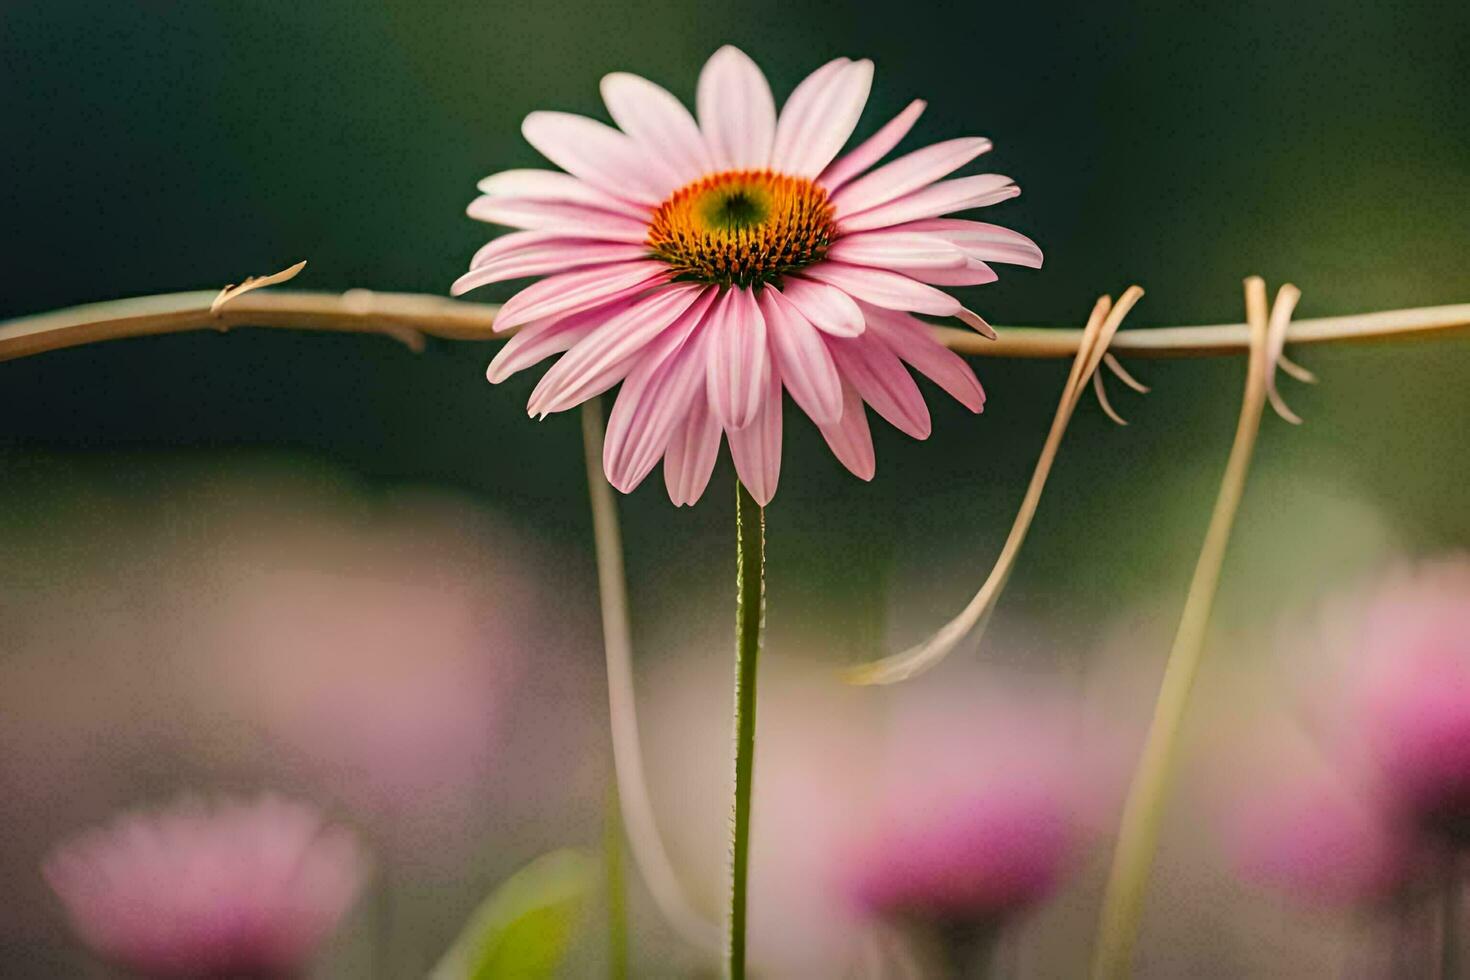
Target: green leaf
[[522, 931]]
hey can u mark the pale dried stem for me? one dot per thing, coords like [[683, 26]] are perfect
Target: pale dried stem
[[1138, 833], [640, 825], [1101, 327], [1102, 399], [405, 316]]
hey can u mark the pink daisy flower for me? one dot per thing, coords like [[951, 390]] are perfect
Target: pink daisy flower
[[222, 889], [709, 265]]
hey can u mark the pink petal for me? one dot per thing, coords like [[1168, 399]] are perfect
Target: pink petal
[[559, 218], [553, 185], [802, 358], [537, 341], [914, 342], [879, 376], [849, 437], [873, 149], [652, 403], [799, 110], [515, 242], [690, 458], [607, 355], [820, 115], [906, 174], [986, 242], [554, 255], [658, 122], [574, 291], [888, 249], [756, 448], [972, 273], [736, 111], [739, 365], [830, 310], [602, 156], [960, 194], [886, 289]]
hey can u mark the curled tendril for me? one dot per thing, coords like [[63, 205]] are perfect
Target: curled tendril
[[1286, 300], [1102, 325], [1113, 365]]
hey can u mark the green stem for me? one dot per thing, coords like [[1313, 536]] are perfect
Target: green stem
[[616, 883], [750, 598]]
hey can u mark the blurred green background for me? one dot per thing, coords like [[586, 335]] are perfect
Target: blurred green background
[[157, 147], [154, 147]]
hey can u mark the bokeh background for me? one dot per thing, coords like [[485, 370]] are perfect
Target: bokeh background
[[191, 526]]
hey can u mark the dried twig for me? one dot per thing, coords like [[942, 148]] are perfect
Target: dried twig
[[1142, 812], [437, 316]]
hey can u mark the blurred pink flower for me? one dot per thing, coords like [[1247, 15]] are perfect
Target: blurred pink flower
[[227, 888], [381, 665], [1390, 695], [1413, 696], [1322, 841], [979, 857], [986, 800]]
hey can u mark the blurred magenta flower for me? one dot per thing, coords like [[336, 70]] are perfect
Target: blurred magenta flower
[[1413, 696], [975, 857], [1323, 841], [986, 802], [1371, 819], [708, 265], [209, 889]]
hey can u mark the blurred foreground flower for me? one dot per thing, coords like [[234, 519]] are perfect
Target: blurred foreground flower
[[708, 265], [1412, 700], [1324, 841], [382, 666], [987, 798], [226, 888], [1384, 824]]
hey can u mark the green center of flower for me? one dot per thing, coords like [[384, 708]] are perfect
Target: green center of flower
[[733, 209], [742, 227]]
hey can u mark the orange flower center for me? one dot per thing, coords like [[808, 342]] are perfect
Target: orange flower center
[[743, 227]]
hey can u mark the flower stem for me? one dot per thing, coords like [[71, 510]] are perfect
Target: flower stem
[[617, 892], [750, 600], [1139, 832]]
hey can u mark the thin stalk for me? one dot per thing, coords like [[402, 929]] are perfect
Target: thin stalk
[[1139, 832], [639, 824], [750, 602], [617, 889], [410, 317]]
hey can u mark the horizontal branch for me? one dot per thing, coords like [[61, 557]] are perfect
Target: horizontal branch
[[409, 317]]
